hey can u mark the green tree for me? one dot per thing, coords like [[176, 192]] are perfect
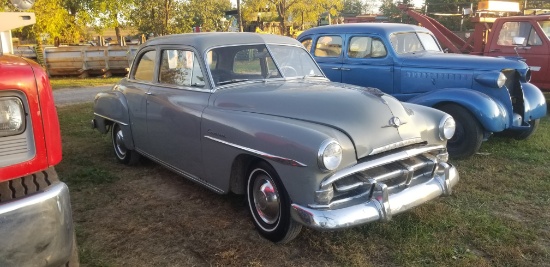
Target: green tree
[[288, 11], [208, 13], [103, 14], [354, 7], [52, 21]]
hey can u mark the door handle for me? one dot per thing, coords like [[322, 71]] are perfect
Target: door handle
[[149, 93], [335, 68], [494, 50], [345, 69]]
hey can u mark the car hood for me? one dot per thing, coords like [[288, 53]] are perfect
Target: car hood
[[459, 61], [363, 114]]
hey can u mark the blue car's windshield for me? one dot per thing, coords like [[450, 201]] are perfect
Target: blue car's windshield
[[234, 64]]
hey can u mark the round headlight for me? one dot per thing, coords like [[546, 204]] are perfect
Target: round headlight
[[447, 128], [330, 155], [501, 80]]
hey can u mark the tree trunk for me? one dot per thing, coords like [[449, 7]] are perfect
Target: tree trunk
[[239, 17]]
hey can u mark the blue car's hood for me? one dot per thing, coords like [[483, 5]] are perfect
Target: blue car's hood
[[458, 61], [363, 114]]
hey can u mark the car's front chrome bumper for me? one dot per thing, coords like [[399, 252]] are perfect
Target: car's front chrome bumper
[[37, 230], [381, 208]]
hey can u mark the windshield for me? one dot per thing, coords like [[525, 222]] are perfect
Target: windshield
[[234, 64], [412, 42], [545, 26]]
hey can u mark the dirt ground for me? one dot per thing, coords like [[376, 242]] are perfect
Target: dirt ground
[[152, 217]]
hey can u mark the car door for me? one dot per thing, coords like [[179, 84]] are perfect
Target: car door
[[135, 88], [535, 49], [174, 110], [366, 63], [328, 54]]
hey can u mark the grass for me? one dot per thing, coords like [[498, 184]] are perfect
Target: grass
[[74, 82], [498, 215]]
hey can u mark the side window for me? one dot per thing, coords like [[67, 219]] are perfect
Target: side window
[[366, 47], [146, 67], [307, 44], [180, 67], [328, 46], [518, 29]]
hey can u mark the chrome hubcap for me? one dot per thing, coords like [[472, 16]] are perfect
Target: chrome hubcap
[[119, 143], [266, 199]]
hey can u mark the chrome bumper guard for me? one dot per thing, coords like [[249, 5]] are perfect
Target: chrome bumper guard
[[37, 230], [384, 204]]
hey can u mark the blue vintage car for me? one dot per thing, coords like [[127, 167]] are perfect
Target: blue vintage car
[[485, 95]]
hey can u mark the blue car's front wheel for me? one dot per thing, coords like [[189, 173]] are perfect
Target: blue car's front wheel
[[468, 134]]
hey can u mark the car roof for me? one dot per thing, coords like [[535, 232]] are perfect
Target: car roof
[[205, 41], [375, 28]]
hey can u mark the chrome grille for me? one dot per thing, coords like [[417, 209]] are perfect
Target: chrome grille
[[514, 89], [394, 171], [398, 174]]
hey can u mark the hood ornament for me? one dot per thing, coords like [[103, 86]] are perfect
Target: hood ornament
[[394, 122]]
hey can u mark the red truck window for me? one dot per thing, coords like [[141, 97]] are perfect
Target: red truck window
[[518, 29]]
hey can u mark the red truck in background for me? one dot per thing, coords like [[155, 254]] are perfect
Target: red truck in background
[[495, 37], [36, 226]]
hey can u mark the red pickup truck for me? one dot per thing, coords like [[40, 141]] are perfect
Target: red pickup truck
[[495, 37], [36, 226]]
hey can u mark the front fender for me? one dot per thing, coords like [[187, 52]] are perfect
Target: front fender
[[109, 107], [534, 101], [492, 116], [227, 135]]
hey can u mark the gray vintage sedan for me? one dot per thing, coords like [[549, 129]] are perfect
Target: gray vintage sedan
[[253, 114]]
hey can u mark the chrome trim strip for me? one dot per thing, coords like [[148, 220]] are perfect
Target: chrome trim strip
[[111, 119], [282, 160], [182, 173], [396, 145], [378, 162]]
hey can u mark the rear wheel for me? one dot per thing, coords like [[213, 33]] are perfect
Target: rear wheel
[[270, 205], [123, 154], [468, 134]]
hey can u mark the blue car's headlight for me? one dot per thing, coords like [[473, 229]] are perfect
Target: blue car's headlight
[[491, 79], [525, 75]]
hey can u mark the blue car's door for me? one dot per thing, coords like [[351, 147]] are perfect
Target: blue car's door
[[366, 63], [174, 111], [327, 51]]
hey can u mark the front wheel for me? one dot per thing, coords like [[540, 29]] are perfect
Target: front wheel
[[468, 134], [123, 154], [270, 205]]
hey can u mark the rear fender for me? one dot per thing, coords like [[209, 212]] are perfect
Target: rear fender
[[492, 115], [112, 107]]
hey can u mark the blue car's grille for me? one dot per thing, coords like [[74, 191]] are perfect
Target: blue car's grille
[[514, 88]]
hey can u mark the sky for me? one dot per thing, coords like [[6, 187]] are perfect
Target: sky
[[417, 3]]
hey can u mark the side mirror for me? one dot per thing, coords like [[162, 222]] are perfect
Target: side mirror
[[518, 40]]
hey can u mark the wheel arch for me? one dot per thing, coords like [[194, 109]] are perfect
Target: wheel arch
[[239, 172], [109, 108]]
